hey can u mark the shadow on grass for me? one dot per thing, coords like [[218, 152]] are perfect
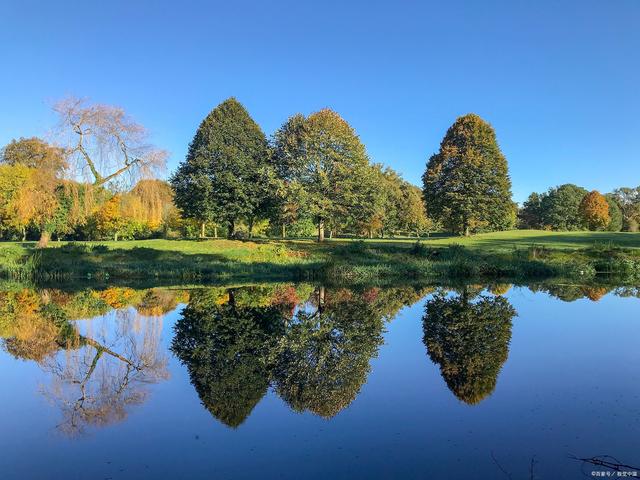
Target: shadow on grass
[[80, 261]]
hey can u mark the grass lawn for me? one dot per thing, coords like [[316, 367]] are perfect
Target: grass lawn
[[485, 254], [553, 240]]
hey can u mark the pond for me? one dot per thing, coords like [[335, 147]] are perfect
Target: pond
[[305, 381]]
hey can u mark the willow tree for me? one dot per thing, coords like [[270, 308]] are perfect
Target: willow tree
[[150, 203], [13, 181], [105, 145], [466, 185], [323, 153], [223, 175]]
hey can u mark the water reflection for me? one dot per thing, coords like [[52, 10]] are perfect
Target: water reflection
[[226, 347], [322, 360], [97, 368], [312, 345], [467, 334]]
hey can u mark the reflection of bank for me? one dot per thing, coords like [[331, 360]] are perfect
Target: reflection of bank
[[468, 336], [313, 346]]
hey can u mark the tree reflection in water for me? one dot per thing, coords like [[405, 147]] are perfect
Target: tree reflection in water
[[105, 370], [313, 346], [96, 368], [322, 361], [468, 336], [225, 347]]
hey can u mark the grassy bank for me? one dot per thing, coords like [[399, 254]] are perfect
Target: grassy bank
[[515, 255]]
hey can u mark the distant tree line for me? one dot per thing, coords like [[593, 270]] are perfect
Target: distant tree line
[[570, 207], [312, 177]]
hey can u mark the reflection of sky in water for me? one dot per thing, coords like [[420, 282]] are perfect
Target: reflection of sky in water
[[570, 385]]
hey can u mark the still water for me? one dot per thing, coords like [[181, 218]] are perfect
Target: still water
[[302, 381]]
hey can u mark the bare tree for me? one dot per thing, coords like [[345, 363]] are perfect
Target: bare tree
[[104, 143]]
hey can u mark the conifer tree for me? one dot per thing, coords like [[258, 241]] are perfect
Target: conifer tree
[[223, 174]]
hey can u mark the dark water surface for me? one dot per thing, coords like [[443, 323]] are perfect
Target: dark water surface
[[298, 381]]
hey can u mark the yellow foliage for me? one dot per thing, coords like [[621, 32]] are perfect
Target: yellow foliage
[[595, 210], [117, 297], [150, 203]]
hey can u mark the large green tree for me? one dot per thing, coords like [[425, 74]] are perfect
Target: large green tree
[[325, 156], [223, 175], [466, 184], [287, 160]]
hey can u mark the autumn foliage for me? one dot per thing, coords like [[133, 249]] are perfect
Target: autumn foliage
[[594, 210]]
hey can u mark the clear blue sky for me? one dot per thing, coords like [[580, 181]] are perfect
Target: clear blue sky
[[559, 80]]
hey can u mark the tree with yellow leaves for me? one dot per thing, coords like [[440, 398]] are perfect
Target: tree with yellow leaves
[[109, 220], [594, 210]]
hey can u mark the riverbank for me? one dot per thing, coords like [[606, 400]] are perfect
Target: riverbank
[[502, 255]]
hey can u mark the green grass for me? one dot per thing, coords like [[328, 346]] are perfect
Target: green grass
[[513, 254], [502, 241]]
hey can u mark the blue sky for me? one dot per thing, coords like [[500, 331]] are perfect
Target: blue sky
[[558, 80]]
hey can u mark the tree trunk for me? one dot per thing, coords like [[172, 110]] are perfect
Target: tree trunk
[[44, 239], [203, 227], [215, 231], [24, 233], [331, 233], [232, 228], [115, 237], [320, 230], [251, 222], [321, 296], [370, 234], [465, 227], [284, 231]]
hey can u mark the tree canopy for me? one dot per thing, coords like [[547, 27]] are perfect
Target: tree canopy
[[223, 176], [594, 209], [325, 156], [34, 153], [466, 185], [628, 200]]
